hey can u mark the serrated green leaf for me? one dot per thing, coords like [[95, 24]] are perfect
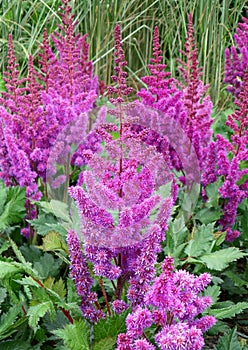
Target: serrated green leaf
[[229, 341], [229, 311], [47, 266], [208, 215], [165, 190], [36, 312], [110, 327], [213, 292], [7, 319], [213, 194], [14, 208], [8, 268], [2, 84], [57, 287], [106, 344], [201, 243], [28, 281], [75, 336], [46, 223], [219, 260], [53, 241], [238, 282], [57, 208]]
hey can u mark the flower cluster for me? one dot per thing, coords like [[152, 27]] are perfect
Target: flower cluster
[[36, 109], [172, 303], [237, 59], [227, 158], [80, 275]]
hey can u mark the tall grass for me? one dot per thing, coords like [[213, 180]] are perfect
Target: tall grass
[[215, 22]]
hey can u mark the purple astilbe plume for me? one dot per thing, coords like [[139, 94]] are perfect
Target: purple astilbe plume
[[197, 105], [172, 303], [230, 155], [161, 92], [121, 89], [237, 59], [123, 214], [80, 275], [71, 91]]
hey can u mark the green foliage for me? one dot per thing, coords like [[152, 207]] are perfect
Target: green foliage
[[37, 311], [229, 341], [228, 311], [76, 336], [107, 330], [219, 260], [12, 209]]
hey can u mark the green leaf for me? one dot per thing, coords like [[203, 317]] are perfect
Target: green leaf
[[14, 208], [229, 311], [75, 336], [208, 215], [28, 281], [213, 292], [3, 196], [8, 268], [3, 294], [213, 194], [106, 344], [108, 329], [165, 190], [36, 312], [53, 241], [46, 223], [57, 208], [15, 345], [2, 84], [7, 320], [219, 260], [229, 341], [238, 282], [47, 266], [202, 241]]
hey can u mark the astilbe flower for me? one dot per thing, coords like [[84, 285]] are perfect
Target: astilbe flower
[[229, 156], [80, 275], [119, 197], [172, 303], [37, 108], [237, 59], [197, 104], [163, 94], [71, 89], [121, 90]]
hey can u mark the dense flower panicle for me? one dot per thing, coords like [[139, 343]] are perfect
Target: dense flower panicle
[[138, 321], [121, 89], [198, 106], [37, 108], [180, 336], [161, 93], [80, 275], [172, 303], [119, 306], [232, 189], [237, 59]]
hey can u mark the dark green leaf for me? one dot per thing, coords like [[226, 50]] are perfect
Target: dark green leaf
[[202, 241], [219, 260], [75, 336], [229, 341]]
